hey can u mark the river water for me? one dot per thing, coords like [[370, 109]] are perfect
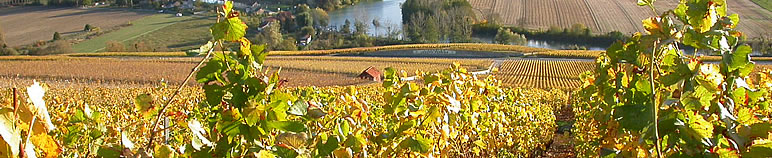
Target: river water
[[389, 14]]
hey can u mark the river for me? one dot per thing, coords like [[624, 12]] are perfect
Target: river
[[389, 14]]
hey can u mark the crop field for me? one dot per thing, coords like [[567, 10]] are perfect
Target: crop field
[[24, 25], [142, 71], [138, 28], [544, 74], [603, 16]]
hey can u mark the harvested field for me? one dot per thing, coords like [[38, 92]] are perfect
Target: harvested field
[[603, 16], [24, 25]]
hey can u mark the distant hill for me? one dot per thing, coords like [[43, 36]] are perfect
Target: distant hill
[[603, 16]]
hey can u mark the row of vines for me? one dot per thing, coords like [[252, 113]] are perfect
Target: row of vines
[[245, 110], [646, 98]]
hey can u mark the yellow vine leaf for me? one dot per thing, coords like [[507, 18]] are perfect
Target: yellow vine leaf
[[47, 144]]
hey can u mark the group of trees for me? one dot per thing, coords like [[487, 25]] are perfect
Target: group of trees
[[332, 4], [506, 36], [437, 20]]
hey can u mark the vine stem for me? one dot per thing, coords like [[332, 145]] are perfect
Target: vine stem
[[177, 92], [654, 101]]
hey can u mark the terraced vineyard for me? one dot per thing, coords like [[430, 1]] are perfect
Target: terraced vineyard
[[603, 16], [544, 74]]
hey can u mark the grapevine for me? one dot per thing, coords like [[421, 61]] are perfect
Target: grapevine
[[647, 98]]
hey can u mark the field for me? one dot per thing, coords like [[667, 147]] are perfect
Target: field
[[764, 3], [138, 28], [603, 16], [181, 36], [544, 74], [24, 25], [149, 71]]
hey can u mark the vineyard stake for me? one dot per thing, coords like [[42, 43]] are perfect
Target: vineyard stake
[[177, 92]]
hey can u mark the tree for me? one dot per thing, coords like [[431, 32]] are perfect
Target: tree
[[505, 36], [271, 35], [88, 2], [304, 19], [57, 36], [320, 17], [88, 27], [346, 28], [361, 27], [376, 24], [308, 30]]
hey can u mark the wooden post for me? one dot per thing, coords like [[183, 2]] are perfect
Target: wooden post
[[15, 101]]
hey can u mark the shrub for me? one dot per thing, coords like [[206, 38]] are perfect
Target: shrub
[[114, 46], [88, 28], [57, 36], [56, 47], [8, 51]]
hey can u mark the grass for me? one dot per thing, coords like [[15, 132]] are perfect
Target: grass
[[766, 4], [138, 28], [183, 35]]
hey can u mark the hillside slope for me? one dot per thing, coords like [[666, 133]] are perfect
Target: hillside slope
[[603, 16]]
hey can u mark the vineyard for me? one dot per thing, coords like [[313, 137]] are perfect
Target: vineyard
[[298, 70], [602, 16], [642, 97], [544, 74]]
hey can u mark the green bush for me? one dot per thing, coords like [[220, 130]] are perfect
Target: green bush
[[57, 36]]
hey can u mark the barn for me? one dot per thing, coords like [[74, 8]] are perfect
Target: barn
[[371, 73]]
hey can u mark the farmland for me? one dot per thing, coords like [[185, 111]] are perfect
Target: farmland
[[138, 28], [602, 16], [24, 25], [148, 71], [544, 74]]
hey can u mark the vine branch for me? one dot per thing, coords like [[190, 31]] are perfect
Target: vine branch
[[654, 100], [177, 92]]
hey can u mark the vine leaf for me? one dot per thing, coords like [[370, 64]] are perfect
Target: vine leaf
[[760, 148], [292, 126], [299, 108], [10, 135], [199, 140], [231, 29]]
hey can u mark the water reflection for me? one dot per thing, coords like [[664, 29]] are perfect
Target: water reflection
[[387, 12]]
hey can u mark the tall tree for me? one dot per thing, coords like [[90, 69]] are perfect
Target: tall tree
[[320, 17], [376, 24], [361, 27], [346, 28]]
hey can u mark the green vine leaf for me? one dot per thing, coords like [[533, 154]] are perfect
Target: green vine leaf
[[231, 29]]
